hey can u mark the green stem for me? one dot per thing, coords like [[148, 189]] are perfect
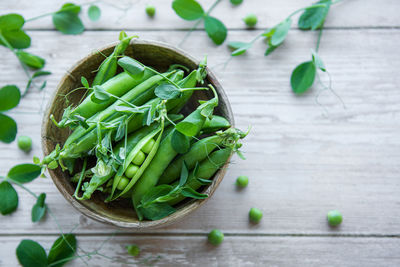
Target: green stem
[[23, 187], [165, 77], [80, 180], [198, 22], [194, 89]]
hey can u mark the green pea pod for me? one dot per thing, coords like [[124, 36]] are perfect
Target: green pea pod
[[146, 162], [215, 124], [197, 153], [165, 154], [108, 67], [206, 169], [87, 140]]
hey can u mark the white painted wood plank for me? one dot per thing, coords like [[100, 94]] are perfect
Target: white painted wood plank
[[234, 251], [301, 162], [130, 15]]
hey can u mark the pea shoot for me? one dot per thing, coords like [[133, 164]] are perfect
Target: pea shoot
[[334, 218], [24, 143], [255, 215], [215, 237], [242, 181]]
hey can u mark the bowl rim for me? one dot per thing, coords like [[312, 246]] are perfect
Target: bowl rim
[[139, 225]]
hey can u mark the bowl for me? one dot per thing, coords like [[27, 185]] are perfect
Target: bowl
[[159, 56]]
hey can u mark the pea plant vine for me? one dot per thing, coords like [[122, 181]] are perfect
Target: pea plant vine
[[191, 10], [312, 18], [14, 37]]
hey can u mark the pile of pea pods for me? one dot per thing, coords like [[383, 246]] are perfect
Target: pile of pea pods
[[131, 140]]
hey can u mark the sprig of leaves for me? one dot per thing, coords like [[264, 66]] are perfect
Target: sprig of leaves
[[12, 36], [191, 10], [31, 253], [19, 175], [312, 18]]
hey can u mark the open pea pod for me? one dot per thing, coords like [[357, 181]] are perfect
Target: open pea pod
[[144, 165]]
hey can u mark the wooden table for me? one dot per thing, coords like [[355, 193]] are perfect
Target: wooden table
[[303, 159]]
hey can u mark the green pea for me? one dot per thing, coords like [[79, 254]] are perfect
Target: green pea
[[334, 218], [250, 20], [148, 146], [25, 143], [255, 215], [133, 250], [215, 237], [139, 158], [242, 181], [131, 170], [123, 183], [236, 2], [150, 10]]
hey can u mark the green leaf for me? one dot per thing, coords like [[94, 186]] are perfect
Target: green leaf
[[188, 128], [8, 199], [239, 48], [184, 175], [180, 142], [16, 38], [85, 82], [131, 66], [94, 13], [8, 129], [31, 253], [39, 209], [215, 29], [70, 7], [188, 9], [157, 211], [167, 91], [313, 18], [280, 32], [207, 108], [190, 192], [53, 165], [303, 77], [11, 21], [40, 73], [318, 61], [9, 97], [66, 20], [24, 173], [99, 94], [10, 29], [31, 60], [62, 249]]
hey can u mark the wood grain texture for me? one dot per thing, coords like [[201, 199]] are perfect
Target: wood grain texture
[[301, 160], [234, 251], [130, 14]]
